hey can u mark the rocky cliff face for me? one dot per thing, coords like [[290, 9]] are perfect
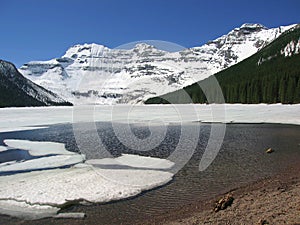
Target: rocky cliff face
[[92, 73], [16, 90]]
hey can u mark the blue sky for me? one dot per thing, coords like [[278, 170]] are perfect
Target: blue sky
[[41, 30]]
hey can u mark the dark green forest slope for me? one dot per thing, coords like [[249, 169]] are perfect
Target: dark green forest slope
[[272, 75]]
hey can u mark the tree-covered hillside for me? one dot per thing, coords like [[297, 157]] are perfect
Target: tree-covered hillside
[[272, 75]]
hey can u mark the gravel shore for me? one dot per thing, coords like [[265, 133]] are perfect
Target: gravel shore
[[275, 200]]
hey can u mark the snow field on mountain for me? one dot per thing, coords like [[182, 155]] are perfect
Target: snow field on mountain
[[92, 73]]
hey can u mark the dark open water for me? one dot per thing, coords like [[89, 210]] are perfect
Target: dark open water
[[241, 160]]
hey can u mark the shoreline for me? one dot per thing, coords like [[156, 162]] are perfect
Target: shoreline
[[199, 211], [273, 200]]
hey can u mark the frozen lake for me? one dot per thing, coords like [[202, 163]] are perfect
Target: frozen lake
[[241, 160], [27, 118], [142, 147]]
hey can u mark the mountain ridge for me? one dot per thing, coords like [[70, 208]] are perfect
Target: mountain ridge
[[111, 76]]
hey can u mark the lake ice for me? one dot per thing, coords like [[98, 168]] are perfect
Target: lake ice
[[40, 186]]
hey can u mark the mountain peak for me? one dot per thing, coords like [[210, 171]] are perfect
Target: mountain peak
[[253, 26], [143, 46], [80, 50]]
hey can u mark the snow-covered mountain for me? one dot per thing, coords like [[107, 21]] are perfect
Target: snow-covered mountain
[[16, 90], [92, 73]]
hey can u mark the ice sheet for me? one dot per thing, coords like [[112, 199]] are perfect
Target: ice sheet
[[20, 118], [37, 148], [27, 211], [8, 163], [27, 118], [37, 192], [40, 193], [55, 188], [133, 161], [43, 163], [12, 129], [70, 215], [3, 149]]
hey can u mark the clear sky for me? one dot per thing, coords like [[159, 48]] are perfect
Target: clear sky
[[44, 29]]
